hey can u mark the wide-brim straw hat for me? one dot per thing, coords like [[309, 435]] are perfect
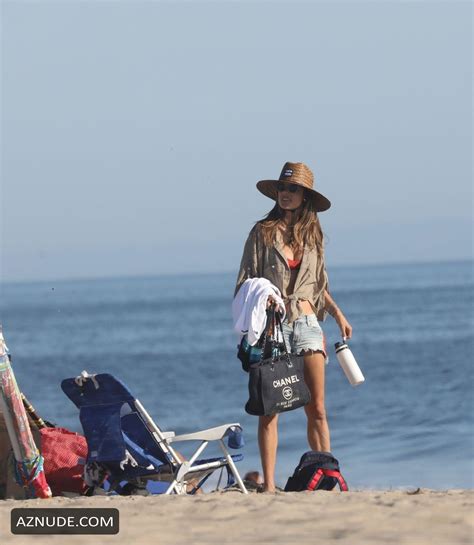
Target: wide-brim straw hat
[[298, 174]]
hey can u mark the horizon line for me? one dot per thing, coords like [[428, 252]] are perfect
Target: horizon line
[[222, 272]]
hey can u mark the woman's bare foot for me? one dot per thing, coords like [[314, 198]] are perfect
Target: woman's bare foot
[[268, 489]]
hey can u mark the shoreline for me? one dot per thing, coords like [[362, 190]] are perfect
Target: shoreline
[[358, 517]]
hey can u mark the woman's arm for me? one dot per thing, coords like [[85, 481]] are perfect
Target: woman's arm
[[336, 313], [249, 262]]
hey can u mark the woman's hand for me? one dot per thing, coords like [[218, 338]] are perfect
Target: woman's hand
[[271, 301], [344, 325]]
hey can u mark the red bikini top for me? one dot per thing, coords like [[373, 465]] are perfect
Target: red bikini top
[[294, 263]]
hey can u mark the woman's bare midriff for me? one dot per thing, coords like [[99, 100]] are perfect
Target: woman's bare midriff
[[305, 306]]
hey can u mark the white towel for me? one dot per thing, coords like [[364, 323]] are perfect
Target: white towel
[[249, 307]]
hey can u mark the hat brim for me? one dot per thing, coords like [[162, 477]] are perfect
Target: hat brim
[[269, 189]]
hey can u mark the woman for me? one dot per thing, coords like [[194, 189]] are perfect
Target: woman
[[286, 247]]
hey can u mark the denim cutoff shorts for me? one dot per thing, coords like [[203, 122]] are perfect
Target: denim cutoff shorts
[[305, 333]]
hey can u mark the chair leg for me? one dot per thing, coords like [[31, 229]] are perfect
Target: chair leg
[[171, 487], [177, 487], [235, 473], [180, 488]]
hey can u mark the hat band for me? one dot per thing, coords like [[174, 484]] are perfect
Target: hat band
[[302, 183]]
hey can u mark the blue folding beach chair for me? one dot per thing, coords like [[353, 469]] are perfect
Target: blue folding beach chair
[[126, 445]]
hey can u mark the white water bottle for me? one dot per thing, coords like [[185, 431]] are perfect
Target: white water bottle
[[348, 363]]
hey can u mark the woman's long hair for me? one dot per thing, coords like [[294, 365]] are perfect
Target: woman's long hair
[[304, 228]]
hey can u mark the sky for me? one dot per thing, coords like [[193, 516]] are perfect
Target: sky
[[133, 133]]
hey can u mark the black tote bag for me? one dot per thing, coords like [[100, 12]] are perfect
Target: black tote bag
[[276, 383]]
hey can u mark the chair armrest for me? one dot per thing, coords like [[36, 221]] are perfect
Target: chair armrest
[[211, 434]]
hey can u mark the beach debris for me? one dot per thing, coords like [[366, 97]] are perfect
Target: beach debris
[[29, 471], [413, 492]]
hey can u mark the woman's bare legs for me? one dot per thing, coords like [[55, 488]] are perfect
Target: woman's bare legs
[[318, 429], [268, 442]]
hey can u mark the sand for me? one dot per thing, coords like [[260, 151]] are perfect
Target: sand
[[357, 517]]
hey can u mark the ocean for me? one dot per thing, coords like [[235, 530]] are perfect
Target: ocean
[[170, 339]]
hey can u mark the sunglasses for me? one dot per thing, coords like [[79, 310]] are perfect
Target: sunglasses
[[292, 188]]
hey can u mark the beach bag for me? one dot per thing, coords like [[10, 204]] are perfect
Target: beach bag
[[251, 354], [316, 471], [248, 354], [64, 454], [276, 382]]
